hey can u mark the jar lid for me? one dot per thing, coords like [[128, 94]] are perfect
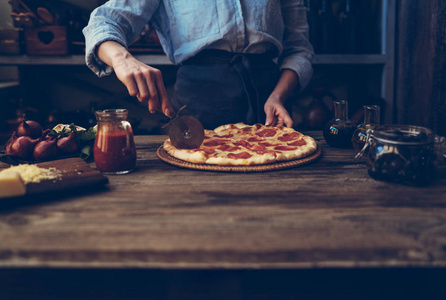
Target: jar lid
[[403, 134], [120, 113]]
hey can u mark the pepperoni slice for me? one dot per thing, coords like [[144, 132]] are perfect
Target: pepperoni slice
[[300, 142], [266, 144], [224, 147], [228, 148], [213, 143], [285, 148], [243, 143], [208, 150], [229, 135], [289, 137], [253, 139], [232, 149], [257, 148], [239, 155], [269, 132]]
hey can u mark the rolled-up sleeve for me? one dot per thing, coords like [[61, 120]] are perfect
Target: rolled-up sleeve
[[117, 20], [297, 50]]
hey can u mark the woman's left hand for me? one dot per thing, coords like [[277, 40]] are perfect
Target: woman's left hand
[[276, 114]]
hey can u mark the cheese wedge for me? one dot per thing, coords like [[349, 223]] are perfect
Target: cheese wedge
[[11, 185]]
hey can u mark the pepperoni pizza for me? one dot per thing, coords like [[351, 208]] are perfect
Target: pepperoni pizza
[[241, 144]]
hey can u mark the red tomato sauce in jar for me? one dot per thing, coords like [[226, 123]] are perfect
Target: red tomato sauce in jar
[[111, 152]]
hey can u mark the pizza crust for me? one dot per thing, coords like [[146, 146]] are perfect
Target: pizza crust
[[196, 157], [223, 160], [300, 152]]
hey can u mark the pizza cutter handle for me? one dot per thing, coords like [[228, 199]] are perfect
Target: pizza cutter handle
[[173, 117]]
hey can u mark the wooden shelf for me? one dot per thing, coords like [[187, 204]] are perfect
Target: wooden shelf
[[349, 59], [9, 84], [160, 59], [73, 60]]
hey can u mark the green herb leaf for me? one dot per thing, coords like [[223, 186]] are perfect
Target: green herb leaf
[[86, 152], [86, 136], [72, 127]]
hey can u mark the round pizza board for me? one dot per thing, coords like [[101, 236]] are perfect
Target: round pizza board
[[166, 157]]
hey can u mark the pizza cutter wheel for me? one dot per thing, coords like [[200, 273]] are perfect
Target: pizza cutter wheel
[[185, 132]]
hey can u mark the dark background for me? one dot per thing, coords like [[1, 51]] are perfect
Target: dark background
[[400, 66]]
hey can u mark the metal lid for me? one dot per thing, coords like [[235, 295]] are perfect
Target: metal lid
[[403, 135], [107, 114]]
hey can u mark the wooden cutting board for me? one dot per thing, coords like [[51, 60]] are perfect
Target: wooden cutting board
[[75, 173]]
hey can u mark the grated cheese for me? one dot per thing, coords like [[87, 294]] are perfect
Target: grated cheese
[[33, 173]]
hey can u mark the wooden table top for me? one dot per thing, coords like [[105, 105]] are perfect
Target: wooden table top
[[329, 213]]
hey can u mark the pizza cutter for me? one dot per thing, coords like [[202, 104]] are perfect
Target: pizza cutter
[[185, 132]]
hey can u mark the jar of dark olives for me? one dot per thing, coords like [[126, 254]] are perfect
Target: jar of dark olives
[[402, 153]]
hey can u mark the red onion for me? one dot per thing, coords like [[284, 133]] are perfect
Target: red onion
[[45, 149], [45, 134], [23, 146], [68, 144], [29, 128]]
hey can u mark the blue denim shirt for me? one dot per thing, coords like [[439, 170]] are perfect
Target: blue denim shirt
[[185, 27]]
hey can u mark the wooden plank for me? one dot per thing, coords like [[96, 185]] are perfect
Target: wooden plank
[[161, 59], [326, 214], [75, 60], [349, 59], [75, 173]]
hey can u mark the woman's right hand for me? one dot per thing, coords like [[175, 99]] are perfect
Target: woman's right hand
[[142, 81]]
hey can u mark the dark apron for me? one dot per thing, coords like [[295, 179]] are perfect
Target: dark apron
[[220, 87]]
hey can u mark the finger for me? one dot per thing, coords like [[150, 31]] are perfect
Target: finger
[[279, 121], [153, 91], [270, 116], [288, 121], [165, 105], [131, 85], [284, 118], [143, 91]]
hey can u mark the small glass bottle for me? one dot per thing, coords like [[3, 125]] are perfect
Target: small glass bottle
[[114, 148], [338, 132], [371, 119]]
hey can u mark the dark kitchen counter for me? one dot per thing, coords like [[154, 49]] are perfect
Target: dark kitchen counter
[[324, 222]]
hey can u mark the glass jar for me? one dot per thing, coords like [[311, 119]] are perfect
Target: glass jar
[[338, 132], [402, 153], [371, 119], [114, 146]]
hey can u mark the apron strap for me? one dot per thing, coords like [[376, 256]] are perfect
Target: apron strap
[[242, 65]]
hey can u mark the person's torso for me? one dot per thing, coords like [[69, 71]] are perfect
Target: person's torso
[[187, 27]]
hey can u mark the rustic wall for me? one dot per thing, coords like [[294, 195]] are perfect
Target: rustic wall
[[6, 73], [421, 64]]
